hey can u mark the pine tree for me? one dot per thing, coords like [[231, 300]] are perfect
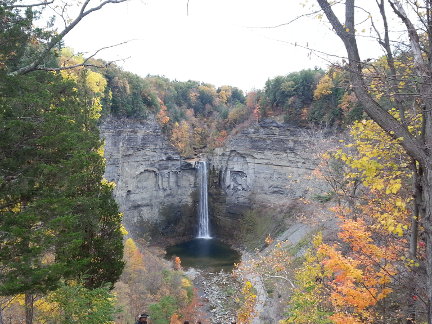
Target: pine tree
[[59, 219]]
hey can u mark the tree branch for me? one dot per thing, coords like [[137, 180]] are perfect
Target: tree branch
[[280, 277], [382, 117], [30, 5], [56, 39], [287, 23]]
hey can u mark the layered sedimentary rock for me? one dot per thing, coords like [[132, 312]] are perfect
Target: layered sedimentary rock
[[154, 187], [269, 164]]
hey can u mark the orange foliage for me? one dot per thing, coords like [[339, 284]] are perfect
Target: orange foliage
[[162, 115], [257, 112], [220, 140], [175, 319], [360, 279], [181, 137], [177, 263]]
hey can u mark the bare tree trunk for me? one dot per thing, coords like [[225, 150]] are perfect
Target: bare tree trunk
[[29, 308], [427, 197], [417, 216]]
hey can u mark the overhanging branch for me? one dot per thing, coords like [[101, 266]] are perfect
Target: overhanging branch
[[34, 65]]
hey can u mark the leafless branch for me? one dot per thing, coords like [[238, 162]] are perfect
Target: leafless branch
[[287, 23], [30, 5], [62, 14], [34, 65], [86, 62], [280, 277], [307, 47]]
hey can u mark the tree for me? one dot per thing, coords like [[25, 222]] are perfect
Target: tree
[[333, 103], [417, 145], [58, 217], [309, 301], [361, 279], [34, 57], [78, 305], [291, 93]]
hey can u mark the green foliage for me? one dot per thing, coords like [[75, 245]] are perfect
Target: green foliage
[[58, 218], [238, 114], [77, 304], [323, 198], [237, 96], [290, 94], [130, 94], [308, 304], [162, 311], [15, 30]]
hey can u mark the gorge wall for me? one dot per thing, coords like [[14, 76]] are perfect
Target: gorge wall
[[155, 189], [265, 167], [270, 168]]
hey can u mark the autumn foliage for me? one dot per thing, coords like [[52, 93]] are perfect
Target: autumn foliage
[[148, 284], [363, 276]]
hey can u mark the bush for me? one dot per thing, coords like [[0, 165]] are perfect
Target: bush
[[162, 311]]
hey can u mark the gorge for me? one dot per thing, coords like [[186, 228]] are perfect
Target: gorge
[[261, 183], [267, 166]]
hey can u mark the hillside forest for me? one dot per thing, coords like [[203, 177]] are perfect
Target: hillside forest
[[64, 253]]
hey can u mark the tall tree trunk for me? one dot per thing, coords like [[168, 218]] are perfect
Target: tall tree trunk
[[29, 308], [418, 209], [427, 199]]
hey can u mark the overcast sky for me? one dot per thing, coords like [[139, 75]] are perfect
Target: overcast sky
[[217, 42]]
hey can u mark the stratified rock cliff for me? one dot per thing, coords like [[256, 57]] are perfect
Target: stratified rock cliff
[[154, 187], [269, 165]]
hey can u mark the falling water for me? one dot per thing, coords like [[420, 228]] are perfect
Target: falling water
[[203, 225]]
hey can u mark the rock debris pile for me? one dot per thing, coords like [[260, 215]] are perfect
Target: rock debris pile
[[219, 293]]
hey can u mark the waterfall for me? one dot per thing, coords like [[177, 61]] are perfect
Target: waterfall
[[203, 217]]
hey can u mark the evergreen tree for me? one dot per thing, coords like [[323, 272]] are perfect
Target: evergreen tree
[[58, 218]]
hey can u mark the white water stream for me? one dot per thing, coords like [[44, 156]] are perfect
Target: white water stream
[[203, 216]]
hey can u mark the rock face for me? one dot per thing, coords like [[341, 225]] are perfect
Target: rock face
[[155, 189], [266, 165]]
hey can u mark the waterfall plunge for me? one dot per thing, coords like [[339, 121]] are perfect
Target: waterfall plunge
[[203, 217]]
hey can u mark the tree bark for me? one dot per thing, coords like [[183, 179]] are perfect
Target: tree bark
[[416, 217], [28, 304], [427, 200]]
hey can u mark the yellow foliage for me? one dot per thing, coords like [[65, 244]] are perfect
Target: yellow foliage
[[324, 87], [181, 137], [186, 283], [247, 310]]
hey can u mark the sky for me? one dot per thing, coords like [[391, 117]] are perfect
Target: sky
[[221, 42]]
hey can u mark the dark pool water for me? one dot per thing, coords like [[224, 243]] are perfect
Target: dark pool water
[[209, 254]]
